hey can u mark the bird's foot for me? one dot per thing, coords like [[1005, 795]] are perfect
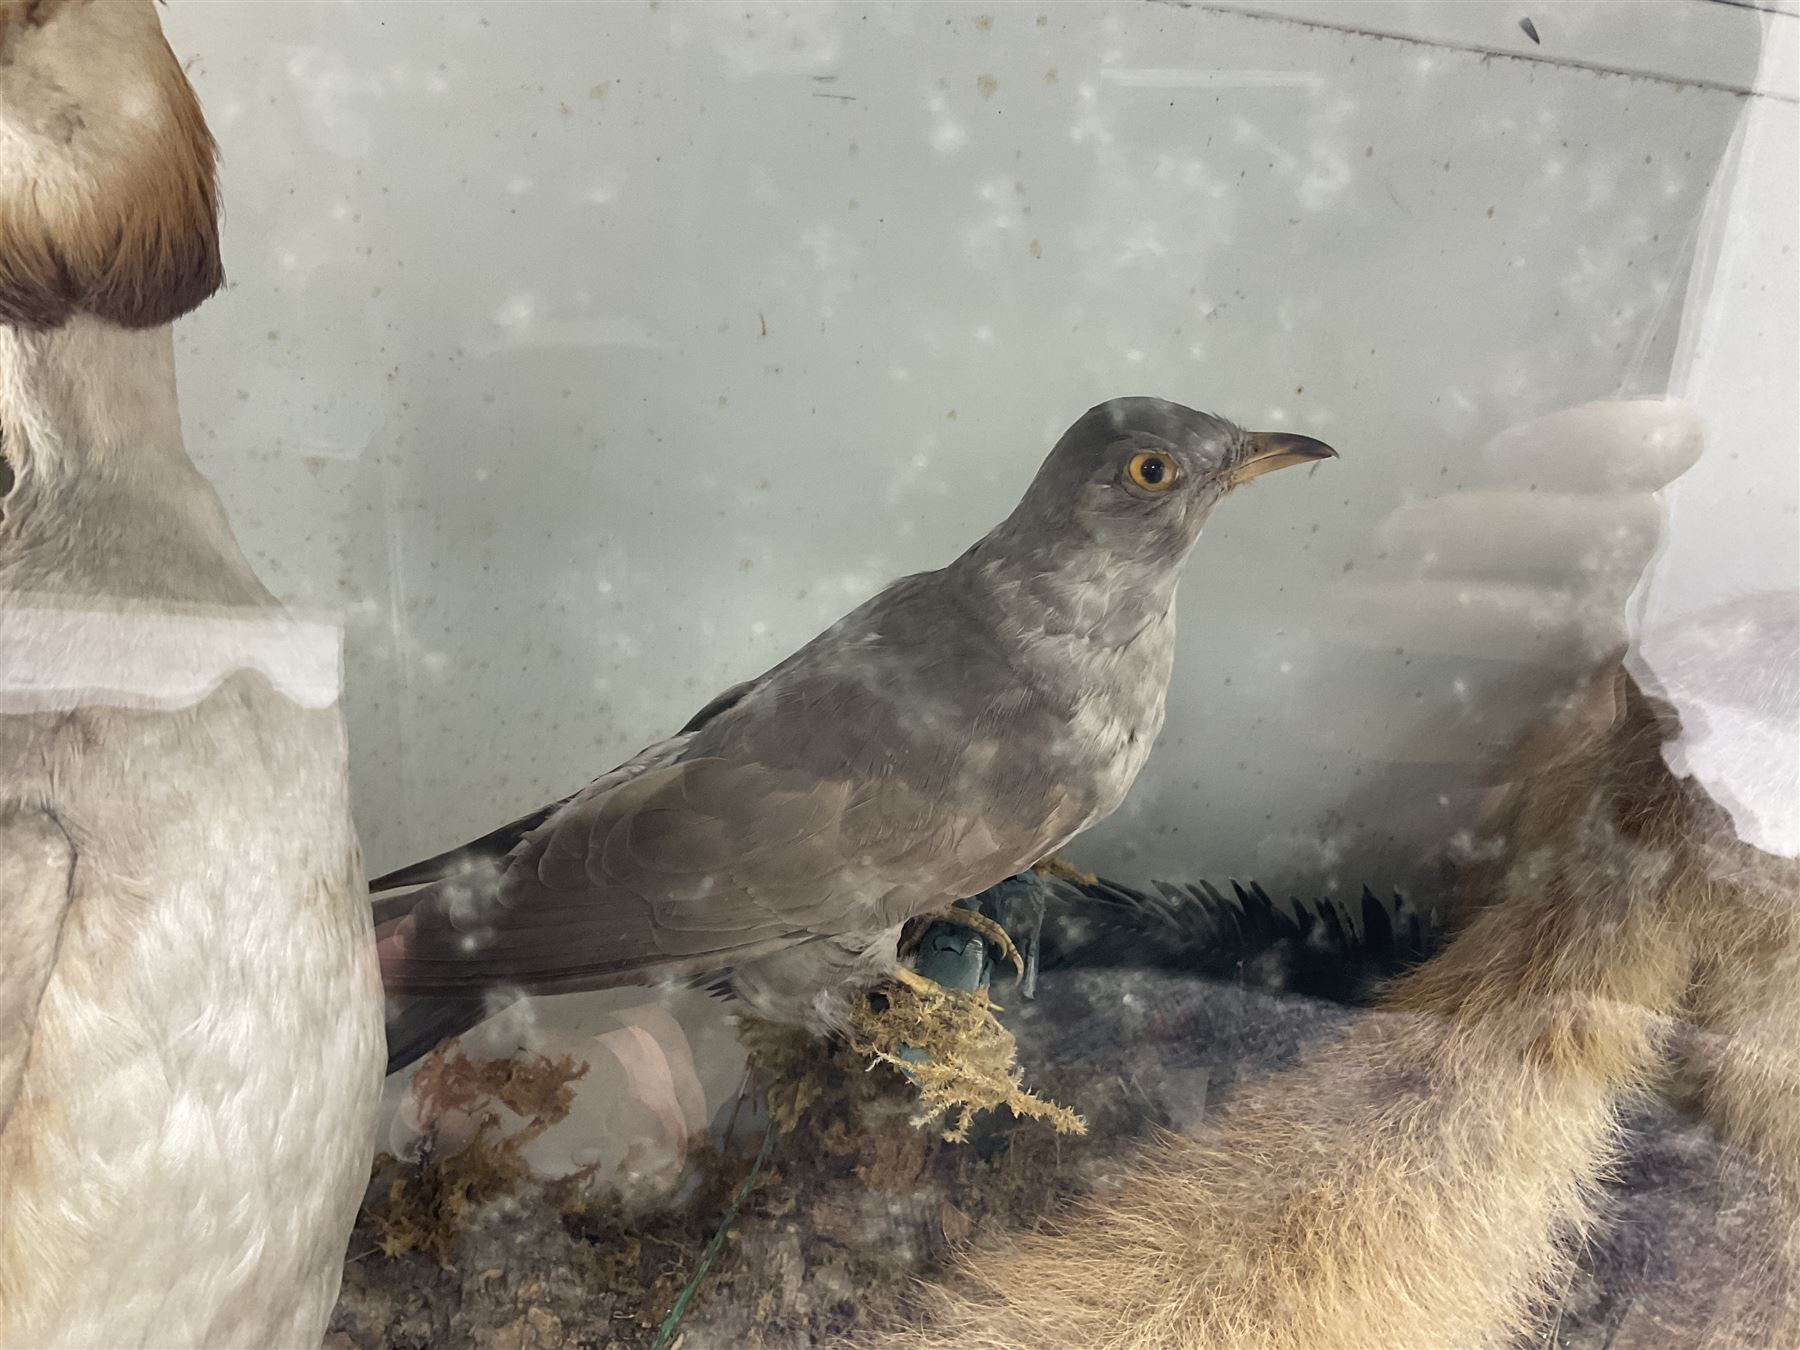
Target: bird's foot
[[1058, 866], [924, 988], [976, 922]]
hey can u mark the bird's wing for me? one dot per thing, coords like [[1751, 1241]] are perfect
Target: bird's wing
[[690, 866], [452, 862], [37, 864], [496, 844], [876, 773], [757, 841], [721, 703]]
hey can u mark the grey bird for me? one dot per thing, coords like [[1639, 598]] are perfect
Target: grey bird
[[946, 734]]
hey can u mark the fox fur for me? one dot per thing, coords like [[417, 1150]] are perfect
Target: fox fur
[[1422, 1182]]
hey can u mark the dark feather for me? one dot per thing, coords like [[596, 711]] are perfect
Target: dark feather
[[496, 844], [493, 845], [417, 1026], [720, 703], [1310, 947]]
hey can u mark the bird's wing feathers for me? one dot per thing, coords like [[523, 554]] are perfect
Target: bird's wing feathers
[[867, 778], [812, 810], [710, 846], [496, 844], [37, 864], [686, 867], [721, 703]]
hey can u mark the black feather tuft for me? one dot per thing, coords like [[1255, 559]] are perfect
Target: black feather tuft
[[1310, 947]]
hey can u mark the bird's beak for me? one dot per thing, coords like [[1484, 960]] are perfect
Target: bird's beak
[[1271, 450]]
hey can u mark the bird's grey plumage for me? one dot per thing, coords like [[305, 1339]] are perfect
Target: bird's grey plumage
[[946, 734]]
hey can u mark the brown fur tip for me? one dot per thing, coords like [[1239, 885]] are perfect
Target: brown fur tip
[[111, 206]]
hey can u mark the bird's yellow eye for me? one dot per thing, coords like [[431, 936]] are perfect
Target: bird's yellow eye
[[1153, 470]]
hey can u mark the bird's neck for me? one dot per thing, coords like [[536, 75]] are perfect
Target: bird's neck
[[1045, 583], [101, 498], [89, 397]]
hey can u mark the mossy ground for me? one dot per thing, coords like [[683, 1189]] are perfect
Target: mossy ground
[[856, 1203]]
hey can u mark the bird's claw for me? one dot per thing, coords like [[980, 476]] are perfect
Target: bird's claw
[[919, 984], [980, 923]]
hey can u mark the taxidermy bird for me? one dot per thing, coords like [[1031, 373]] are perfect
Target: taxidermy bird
[[190, 1009], [951, 731]]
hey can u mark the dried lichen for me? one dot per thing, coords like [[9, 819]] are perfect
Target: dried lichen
[[969, 1059], [852, 1208], [428, 1207], [533, 1086], [789, 1066]]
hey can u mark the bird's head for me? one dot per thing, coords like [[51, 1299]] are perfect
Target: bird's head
[[1139, 476]]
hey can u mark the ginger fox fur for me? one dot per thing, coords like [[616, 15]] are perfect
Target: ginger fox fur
[[1420, 1182]]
